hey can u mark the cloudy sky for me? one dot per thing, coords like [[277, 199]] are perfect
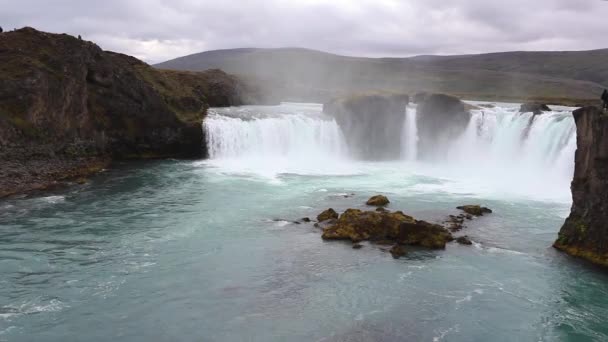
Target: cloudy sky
[[157, 30]]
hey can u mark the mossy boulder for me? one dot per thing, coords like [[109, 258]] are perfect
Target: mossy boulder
[[357, 225], [378, 201], [475, 210], [327, 215]]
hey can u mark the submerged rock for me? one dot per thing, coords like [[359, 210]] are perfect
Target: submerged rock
[[357, 246], [535, 108], [475, 210], [464, 240], [327, 215], [398, 251], [585, 232], [378, 201], [305, 219]]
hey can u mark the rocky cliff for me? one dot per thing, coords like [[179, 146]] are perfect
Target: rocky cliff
[[585, 232], [67, 108], [372, 124], [441, 119]]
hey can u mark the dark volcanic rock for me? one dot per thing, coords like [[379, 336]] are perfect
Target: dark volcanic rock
[[441, 119], [585, 232], [65, 104], [378, 201], [475, 210], [372, 124], [535, 108]]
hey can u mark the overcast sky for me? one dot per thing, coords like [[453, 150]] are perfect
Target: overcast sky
[[157, 30]]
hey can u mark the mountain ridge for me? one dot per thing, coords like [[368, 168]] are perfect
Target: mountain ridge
[[306, 74]]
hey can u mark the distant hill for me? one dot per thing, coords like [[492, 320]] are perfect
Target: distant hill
[[302, 74]]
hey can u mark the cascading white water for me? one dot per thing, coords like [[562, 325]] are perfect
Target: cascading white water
[[520, 152], [501, 148], [409, 138], [292, 138]]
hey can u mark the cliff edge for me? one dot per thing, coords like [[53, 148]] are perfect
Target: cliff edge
[[67, 108], [585, 232]]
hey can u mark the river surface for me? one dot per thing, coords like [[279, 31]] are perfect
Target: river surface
[[207, 250]]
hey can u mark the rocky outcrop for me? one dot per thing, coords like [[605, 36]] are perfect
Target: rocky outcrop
[[357, 225], [535, 108], [372, 124], [585, 232], [65, 105], [441, 119], [475, 210]]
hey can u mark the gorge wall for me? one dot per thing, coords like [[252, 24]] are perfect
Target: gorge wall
[[585, 232], [67, 108]]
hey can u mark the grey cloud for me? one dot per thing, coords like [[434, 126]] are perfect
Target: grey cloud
[[162, 29]]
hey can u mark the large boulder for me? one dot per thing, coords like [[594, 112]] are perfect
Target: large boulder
[[372, 124], [441, 119], [535, 108], [357, 225], [378, 201], [585, 232]]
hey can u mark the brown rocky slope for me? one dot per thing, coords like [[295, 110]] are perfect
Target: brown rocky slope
[[67, 108]]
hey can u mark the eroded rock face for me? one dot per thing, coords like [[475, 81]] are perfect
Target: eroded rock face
[[441, 119], [63, 99], [535, 108], [585, 232], [372, 124], [357, 225]]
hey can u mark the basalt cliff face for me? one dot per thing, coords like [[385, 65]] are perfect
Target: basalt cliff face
[[371, 123], [585, 232], [441, 119], [67, 108]]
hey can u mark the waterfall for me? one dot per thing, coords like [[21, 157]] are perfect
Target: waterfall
[[409, 137], [499, 146]]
